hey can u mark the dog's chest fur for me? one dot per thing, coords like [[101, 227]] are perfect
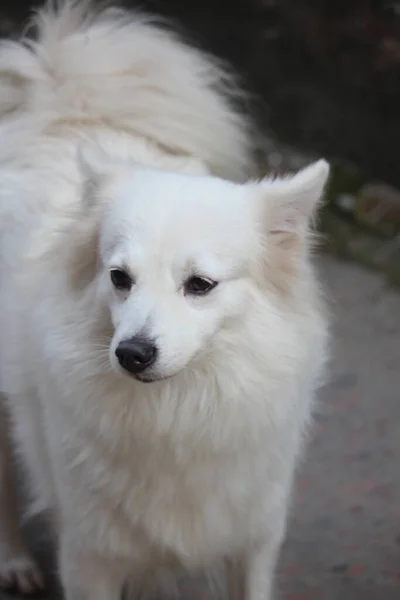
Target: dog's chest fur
[[170, 484]]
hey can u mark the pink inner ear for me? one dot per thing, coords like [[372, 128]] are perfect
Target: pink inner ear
[[289, 220]]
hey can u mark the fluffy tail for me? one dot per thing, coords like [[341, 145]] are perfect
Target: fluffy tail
[[122, 70]]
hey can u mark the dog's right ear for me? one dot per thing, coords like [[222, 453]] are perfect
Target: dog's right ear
[[96, 170]]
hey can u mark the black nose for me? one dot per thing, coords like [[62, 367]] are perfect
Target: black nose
[[136, 354]]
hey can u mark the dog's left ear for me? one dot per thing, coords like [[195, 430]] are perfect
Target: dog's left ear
[[288, 206], [291, 203]]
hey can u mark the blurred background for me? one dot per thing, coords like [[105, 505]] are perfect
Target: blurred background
[[324, 80]]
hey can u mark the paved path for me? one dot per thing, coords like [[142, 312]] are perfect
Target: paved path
[[344, 538], [344, 542]]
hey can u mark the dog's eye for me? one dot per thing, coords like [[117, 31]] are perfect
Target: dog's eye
[[199, 286], [120, 279]]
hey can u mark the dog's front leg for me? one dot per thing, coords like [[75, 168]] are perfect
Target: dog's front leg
[[252, 577], [87, 576], [18, 570], [236, 581], [260, 570]]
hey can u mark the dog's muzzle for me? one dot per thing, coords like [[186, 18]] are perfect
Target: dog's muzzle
[[136, 355]]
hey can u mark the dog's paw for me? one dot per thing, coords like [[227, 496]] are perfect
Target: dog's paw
[[20, 574]]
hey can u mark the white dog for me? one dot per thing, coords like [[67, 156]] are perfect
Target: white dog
[[162, 335]]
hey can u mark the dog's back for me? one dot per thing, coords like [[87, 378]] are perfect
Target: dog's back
[[121, 71]]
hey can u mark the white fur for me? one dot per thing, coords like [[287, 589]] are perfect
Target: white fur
[[195, 467]]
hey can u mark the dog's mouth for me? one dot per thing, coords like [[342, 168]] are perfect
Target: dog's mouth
[[152, 378], [147, 378], [141, 377]]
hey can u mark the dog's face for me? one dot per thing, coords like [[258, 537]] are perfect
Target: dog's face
[[182, 255]]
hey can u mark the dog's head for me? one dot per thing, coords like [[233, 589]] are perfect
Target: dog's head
[[178, 259]]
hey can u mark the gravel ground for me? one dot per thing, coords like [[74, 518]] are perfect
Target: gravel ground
[[344, 536]]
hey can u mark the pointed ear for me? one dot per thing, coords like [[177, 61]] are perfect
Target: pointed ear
[[97, 174], [291, 203], [95, 167], [92, 161], [288, 205]]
